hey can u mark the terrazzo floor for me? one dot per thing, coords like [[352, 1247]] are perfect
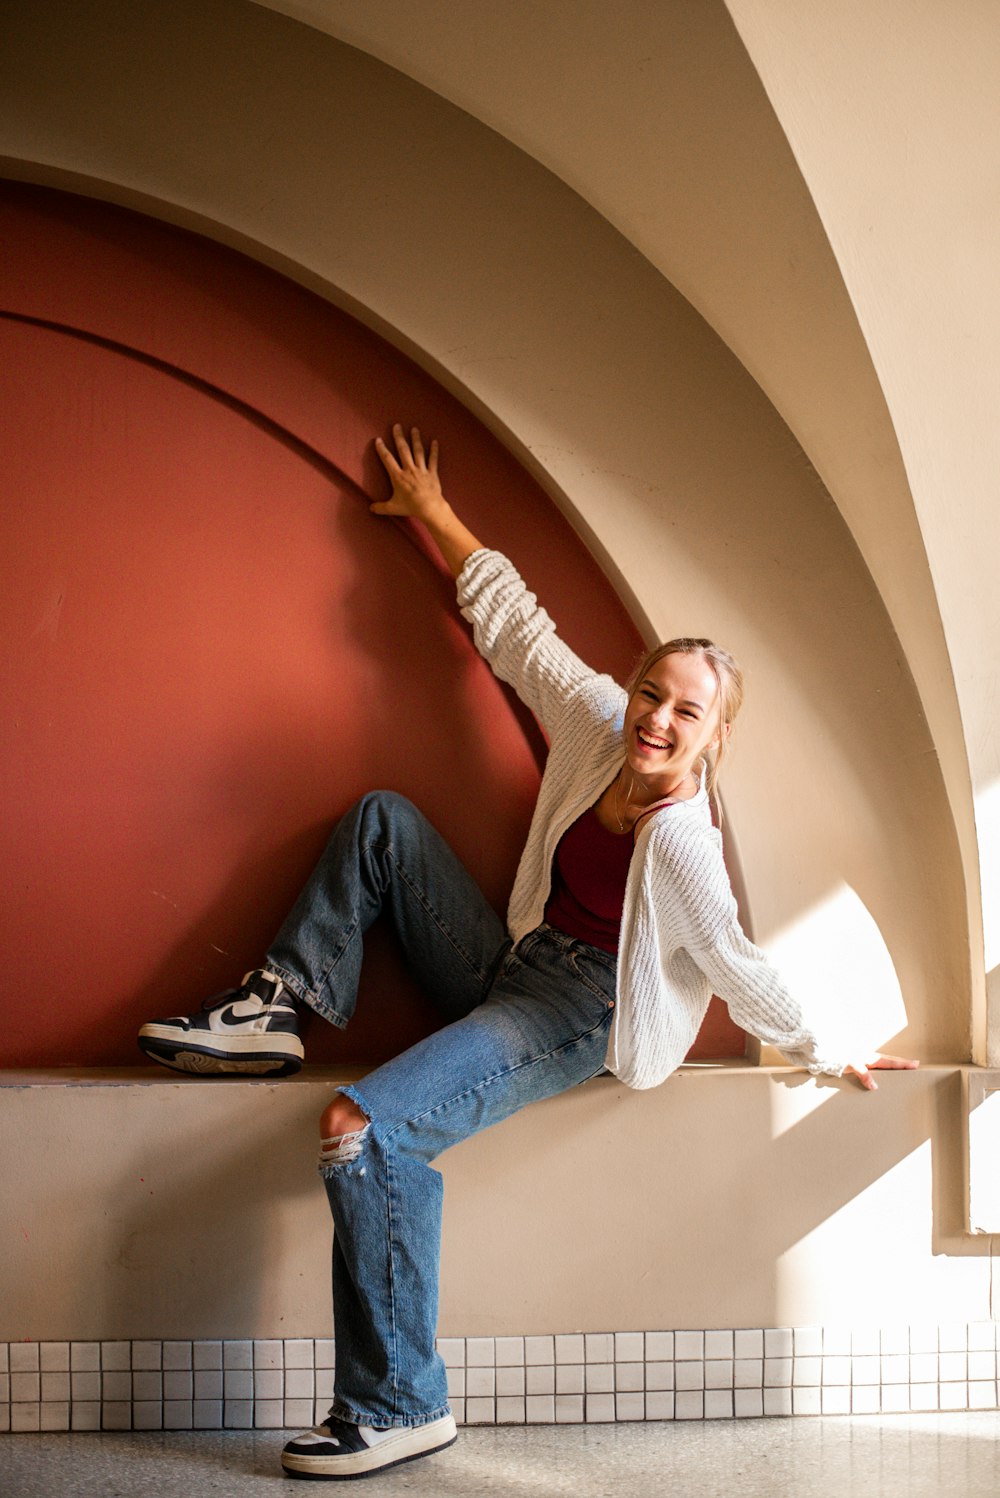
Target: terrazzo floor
[[904, 1456]]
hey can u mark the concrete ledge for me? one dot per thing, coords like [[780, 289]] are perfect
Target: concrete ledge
[[133, 1076], [143, 1205]]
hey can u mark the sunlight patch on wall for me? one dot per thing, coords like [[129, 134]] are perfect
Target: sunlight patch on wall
[[836, 962], [795, 1097], [878, 1239], [988, 834]]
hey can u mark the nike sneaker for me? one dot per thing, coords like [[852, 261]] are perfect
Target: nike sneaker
[[338, 1449], [250, 1031]]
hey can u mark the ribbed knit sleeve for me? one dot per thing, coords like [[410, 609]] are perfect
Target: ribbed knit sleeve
[[692, 884], [518, 639], [759, 1002]]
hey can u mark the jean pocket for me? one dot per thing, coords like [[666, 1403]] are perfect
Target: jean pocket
[[593, 974]]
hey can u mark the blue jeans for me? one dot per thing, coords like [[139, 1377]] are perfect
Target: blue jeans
[[524, 1023]]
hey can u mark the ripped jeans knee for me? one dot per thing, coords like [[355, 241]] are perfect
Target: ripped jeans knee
[[342, 1149]]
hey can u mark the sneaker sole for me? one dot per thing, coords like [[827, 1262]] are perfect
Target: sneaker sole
[[366, 1463], [269, 1044], [206, 1063]]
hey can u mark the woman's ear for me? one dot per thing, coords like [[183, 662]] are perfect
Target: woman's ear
[[724, 731]]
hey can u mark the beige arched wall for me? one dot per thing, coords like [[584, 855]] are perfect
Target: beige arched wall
[[684, 476], [892, 113]]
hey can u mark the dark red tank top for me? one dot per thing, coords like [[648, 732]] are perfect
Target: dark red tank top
[[589, 871]]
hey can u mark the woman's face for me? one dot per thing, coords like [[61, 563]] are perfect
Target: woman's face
[[671, 719]]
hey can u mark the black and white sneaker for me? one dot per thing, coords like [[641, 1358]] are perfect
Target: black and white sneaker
[[338, 1449], [247, 1031]]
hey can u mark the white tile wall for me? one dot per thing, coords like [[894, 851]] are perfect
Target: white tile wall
[[630, 1347], [748, 1344], [600, 1347], [599, 1408], [540, 1409], [777, 1401], [569, 1378], [178, 1414], [689, 1405], [748, 1404], [510, 1410], [510, 1352], [237, 1414], [570, 1349], [593, 1377], [539, 1379], [569, 1409], [510, 1383]]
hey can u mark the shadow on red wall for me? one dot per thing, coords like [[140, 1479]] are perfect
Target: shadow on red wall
[[213, 648]]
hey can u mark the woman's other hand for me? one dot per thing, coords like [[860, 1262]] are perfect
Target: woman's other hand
[[416, 495], [863, 1071]]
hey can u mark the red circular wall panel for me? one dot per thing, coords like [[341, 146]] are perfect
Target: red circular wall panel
[[211, 646]]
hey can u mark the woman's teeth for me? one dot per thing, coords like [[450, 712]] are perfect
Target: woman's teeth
[[650, 743]]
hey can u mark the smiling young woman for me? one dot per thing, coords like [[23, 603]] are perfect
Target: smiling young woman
[[620, 925], [682, 702]]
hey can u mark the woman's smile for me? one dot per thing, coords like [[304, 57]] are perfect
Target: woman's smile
[[648, 741]]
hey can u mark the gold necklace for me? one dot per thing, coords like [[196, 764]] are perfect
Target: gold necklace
[[631, 788]]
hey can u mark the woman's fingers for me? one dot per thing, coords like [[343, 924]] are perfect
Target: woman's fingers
[[391, 466], [411, 454], [863, 1071], [412, 451]]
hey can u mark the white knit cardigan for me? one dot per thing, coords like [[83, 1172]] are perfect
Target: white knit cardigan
[[680, 938]]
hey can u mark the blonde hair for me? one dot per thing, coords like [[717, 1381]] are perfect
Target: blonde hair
[[730, 682]]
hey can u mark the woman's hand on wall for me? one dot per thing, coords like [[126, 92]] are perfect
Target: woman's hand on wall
[[417, 495], [416, 488], [885, 1063]]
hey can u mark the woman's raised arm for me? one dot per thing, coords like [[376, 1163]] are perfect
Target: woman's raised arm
[[416, 492]]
